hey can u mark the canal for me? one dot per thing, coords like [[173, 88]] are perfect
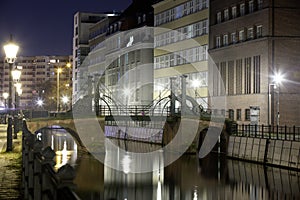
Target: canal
[[214, 177]]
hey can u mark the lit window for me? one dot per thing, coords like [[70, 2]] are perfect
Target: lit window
[[225, 40], [251, 6], [219, 17], [233, 11], [241, 35], [259, 31], [242, 9], [250, 33], [233, 37], [226, 14], [238, 114]]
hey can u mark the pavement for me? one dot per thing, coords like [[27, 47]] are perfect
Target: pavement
[[10, 167]]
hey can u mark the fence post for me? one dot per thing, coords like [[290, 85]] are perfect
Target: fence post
[[269, 131], [262, 131], [48, 155], [277, 134], [243, 129], [255, 130], [285, 132], [37, 169], [294, 132]]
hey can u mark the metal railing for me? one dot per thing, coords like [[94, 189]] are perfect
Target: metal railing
[[39, 179], [266, 131]]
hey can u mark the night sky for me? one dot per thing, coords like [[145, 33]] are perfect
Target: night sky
[[45, 27]]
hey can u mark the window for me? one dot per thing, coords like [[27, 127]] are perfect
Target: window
[[238, 114], [218, 41], [225, 40], [139, 19], [233, 11], [242, 9], [230, 74], [259, 31], [239, 73], [231, 114], [256, 78], [144, 17], [226, 14], [241, 35], [233, 38], [219, 17], [251, 6], [248, 75], [250, 33], [247, 114], [259, 4]]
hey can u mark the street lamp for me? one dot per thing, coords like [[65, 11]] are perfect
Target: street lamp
[[65, 101], [59, 70], [277, 80], [11, 51]]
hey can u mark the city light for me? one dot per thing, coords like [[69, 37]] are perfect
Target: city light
[[40, 102], [278, 78], [65, 99]]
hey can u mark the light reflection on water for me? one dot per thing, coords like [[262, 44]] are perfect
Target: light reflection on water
[[187, 178]]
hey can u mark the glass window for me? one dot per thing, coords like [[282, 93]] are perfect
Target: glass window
[[242, 9], [247, 114], [241, 35], [225, 40], [251, 6], [226, 14], [219, 17], [233, 37], [250, 33], [231, 114], [259, 4], [218, 41], [259, 31], [238, 114], [233, 11]]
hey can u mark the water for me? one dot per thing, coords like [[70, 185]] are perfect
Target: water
[[187, 178]]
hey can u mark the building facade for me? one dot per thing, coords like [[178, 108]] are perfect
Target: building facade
[[85, 37], [117, 56], [39, 80], [181, 44], [251, 42]]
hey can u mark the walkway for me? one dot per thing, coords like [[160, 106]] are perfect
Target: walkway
[[10, 167]]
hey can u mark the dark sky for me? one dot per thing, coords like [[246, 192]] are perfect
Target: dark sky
[[45, 27]]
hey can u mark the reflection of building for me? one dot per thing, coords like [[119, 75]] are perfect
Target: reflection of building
[[250, 41], [181, 42], [37, 74]]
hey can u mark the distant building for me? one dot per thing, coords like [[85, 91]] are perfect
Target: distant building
[[38, 74], [181, 44], [87, 34], [250, 42]]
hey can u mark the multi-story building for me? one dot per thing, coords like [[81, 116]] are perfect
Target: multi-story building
[[181, 44], [84, 36], [39, 79], [251, 42], [116, 57]]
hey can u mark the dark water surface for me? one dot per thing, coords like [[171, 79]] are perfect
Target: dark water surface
[[211, 178]]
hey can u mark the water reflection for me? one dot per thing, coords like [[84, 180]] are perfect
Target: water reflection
[[187, 178]]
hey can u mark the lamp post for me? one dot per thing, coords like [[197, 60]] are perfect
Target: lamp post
[[5, 96], [65, 101], [11, 51], [16, 74], [277, 80], [59, 70]]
